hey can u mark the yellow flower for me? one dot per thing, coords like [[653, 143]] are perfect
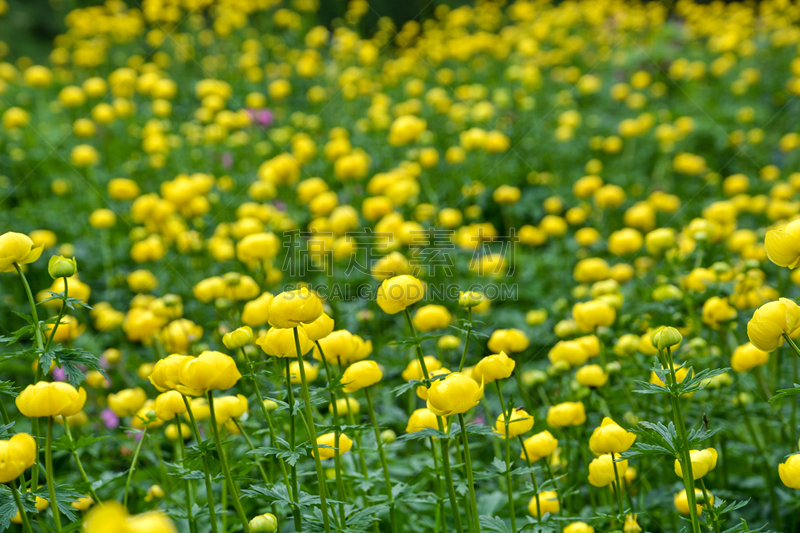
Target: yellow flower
[[209, 371], [508, 340], [256, 312], [83, 503], [397, 293], [17, 248], [593, 314], [455, 394], [337, 347], [430, 317], [747, 357], [682, 502], [238, 338], [127, 401], [327, 445], [521, 422], [41, 504], [50, 399], [579, 527], [631, 525], [547, 503], [493, 367], [610, 438], [361, 374], [290, 309], [166, 374], [790, 472], [422, 419], [703, 462], [311, 371], [16, 455], [320, 328], [168, 405], [279, 342], [540, 445], [591, 376], [717, 310], [601, 470], [566, 414], [662, 338], [771, 321], [111, 517], [414, 370], [572, 352], [265, 523], [228, 407], [783, 246]]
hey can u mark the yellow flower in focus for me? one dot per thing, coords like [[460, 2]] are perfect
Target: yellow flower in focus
[[430, 317], [771, 321], [455, 394], [397, 293], [208, 371], [50, 399], [790, 472], [703, 462], [566, 414], [540, 445], [783, 246], [682, 502], [422, 419], [17, 248], [290, 309], [609, 437], [493, 367], [279, 342], [508, 341], [521, 422], [361, 374]]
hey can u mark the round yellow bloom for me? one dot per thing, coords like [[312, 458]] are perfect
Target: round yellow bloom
[[455, 394], [279, 342], [17, 248], [540, 445], [361, 374], [508, 340], [289, 309], [414, 370], [168, 405], [127, 401], [50, 399], [320, 328], [238, 338], [209, 371], [771, 321], [430, 317], [682, 502], [397, 293], [703, 462], [327, 445], [783, 246], [790, 472], [165, 375], [547, 503], [593, 314], [422, 419], [521, 422], [566, 414], [610, 438], [579, 527], [16, 455], [591, 376], [747, 357], [493, 367], [601, 470]]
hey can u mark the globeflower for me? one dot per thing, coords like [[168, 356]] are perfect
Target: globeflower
[[790, 472], [327, 445], [208, 371], [771, 321], [508, 341], [17, 454], [593, 314], [601, 470], [540, 445], [455, 394], [493, 367], [280, 342], [361, 374], [290, 309], [783, 246], [610, 438], [127, 401], [703, 462], [50, 399], [397, 293], [747, 357], [566, 414], [422, 419], [17, 248], [521, 422], [546, 502]]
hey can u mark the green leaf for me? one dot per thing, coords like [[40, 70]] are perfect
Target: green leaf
[[783, 393], [493, 523]]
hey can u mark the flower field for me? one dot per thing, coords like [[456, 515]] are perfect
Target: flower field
[[504, 267]]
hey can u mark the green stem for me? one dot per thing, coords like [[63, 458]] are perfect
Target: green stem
[[440, 509], [445, 444], [553, 479], [295, 494], [85, 478], [509, 479], [133, 466], [51, 487], [267, 417], [533, 478], [252, 447], [619, 488], [58, 320], [792, 344], [470, 481], [385, 466], [212, 514], [26, 523], [686, 459], [188, 483], [466, 341], [237, 504], [37, 331], [708, 505], [337, 459], [312, 432]]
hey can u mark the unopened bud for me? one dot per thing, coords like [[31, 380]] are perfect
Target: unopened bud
[[665, 337], [469, 299], [61, 267], [265, 523]]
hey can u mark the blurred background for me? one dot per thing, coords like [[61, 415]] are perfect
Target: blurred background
[[32, 24]]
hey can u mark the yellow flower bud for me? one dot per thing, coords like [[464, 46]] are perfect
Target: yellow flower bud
[[127, 401], [265, 523], [547, 503], [238, 338], [493, 367], [665, 337], [61, 267]]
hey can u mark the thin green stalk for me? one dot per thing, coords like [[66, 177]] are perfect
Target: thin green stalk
[[212, 514], [295, 494], [466, 341], [188, 484], [708, 505], [509, 479], [619, 489], [312, 432], [237, 504], [470, 481], [133, 466], [58, 320], [340, 492], [387, 477], [686, 460], [445, 444], [268, 418], [85, 478], [26, 522], [252, 447], [441, 517], [533, 478], [51, 487]]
